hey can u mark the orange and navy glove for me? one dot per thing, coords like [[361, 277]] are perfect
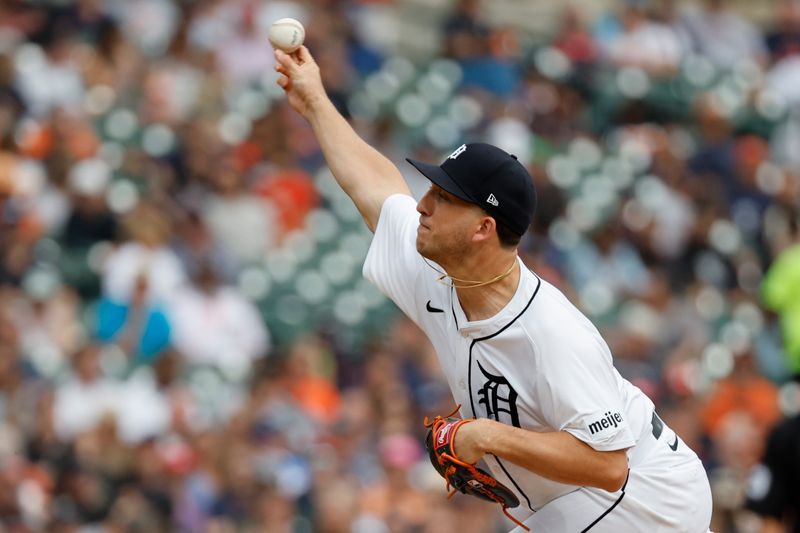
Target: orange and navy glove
[[462, 476]]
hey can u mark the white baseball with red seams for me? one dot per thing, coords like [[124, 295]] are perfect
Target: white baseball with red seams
[[286, 34]]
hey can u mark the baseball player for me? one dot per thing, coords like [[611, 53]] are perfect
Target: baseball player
[[581, 447]]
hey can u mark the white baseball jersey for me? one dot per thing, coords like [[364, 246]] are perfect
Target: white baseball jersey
[[538, 364]]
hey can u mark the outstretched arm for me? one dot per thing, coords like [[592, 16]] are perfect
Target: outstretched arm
[[364, 174]]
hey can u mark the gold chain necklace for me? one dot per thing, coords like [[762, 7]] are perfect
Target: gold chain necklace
[[470, 284]]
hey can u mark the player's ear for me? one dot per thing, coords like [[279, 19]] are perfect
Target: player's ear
[[486, 228]]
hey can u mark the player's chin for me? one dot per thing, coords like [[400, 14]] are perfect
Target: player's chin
[[422, 246]]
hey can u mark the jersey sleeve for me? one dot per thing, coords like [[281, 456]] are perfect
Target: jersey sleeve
[[580, 392], [393, 263]]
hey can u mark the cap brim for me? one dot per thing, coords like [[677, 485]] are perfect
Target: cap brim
[[440, 178]]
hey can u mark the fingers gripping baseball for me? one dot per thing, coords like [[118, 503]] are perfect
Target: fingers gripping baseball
[[300, 79]]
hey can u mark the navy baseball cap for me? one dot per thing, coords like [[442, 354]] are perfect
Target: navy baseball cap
[[488, 177]]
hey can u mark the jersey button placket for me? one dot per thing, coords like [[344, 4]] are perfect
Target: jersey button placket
[[463, 368]]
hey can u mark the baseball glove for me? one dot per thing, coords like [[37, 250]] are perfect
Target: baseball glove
[[459, 475]]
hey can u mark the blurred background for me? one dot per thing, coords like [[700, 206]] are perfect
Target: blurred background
[[186, 342]]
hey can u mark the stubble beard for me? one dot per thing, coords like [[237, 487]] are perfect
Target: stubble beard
[[445, 253]]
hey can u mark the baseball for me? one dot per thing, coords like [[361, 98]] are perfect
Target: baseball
[[286, 34]]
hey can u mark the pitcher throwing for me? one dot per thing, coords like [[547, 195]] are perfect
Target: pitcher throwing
[[581, 448]]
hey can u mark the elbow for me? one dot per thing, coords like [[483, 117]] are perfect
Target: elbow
[[616, 476], [617, 481]]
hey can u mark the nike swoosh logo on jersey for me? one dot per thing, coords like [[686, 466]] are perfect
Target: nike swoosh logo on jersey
[[674, 445], [433, 309]]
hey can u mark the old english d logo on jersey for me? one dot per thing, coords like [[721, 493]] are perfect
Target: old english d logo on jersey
[[498, 396]]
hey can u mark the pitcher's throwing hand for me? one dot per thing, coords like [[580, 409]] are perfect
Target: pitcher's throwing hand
[[300, 79]]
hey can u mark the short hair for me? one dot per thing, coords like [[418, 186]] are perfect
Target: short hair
[[508, 238]]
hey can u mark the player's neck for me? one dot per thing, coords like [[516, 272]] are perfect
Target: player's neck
[[485, 301]]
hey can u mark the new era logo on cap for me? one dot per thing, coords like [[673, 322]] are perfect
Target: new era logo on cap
[[458, 151], [487, 176]]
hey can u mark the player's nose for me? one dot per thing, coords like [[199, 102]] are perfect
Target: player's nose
[[423, 206]]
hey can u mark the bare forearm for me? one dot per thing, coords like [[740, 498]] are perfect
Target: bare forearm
[[556, 455], [364, 174]]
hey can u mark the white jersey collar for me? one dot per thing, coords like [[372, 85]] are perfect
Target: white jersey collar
[[478, 329]]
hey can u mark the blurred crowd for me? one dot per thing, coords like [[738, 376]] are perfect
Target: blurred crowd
[[185, 340]]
